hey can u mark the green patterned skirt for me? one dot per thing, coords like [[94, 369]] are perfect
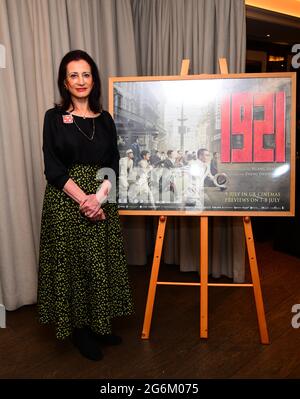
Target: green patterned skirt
[[83, 277]]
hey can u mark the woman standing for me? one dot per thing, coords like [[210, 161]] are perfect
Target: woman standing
[[83, 278]]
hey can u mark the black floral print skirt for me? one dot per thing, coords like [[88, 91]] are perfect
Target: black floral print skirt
[[83, 277]]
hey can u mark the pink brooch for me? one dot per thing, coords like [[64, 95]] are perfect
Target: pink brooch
[[67, 118]]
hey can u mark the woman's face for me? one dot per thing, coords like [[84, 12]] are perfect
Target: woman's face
[[79, 79]]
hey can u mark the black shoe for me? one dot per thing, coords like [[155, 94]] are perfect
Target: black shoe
[[108, 339], [86, 343]]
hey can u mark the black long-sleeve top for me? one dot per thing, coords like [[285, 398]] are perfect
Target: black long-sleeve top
[[64, 145]]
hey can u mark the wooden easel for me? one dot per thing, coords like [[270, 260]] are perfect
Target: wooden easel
[[203, 284]]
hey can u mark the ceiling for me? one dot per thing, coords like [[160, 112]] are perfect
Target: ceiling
[[289, 7], [270, 26], [272, 33]]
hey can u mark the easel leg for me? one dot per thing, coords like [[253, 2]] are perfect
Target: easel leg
[[154, 275], [263, 330], [204, 277]]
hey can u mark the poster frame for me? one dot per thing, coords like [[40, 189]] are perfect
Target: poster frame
[[165, 212]]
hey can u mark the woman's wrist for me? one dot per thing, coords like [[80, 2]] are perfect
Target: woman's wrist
[[82, 199], [102, 194], [74, 191]]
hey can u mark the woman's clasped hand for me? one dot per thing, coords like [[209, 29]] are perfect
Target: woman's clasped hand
[[91, 208]]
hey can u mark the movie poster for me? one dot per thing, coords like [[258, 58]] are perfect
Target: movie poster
[[204, 144]]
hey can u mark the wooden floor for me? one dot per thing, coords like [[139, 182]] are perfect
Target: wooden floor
[[174, 350]]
